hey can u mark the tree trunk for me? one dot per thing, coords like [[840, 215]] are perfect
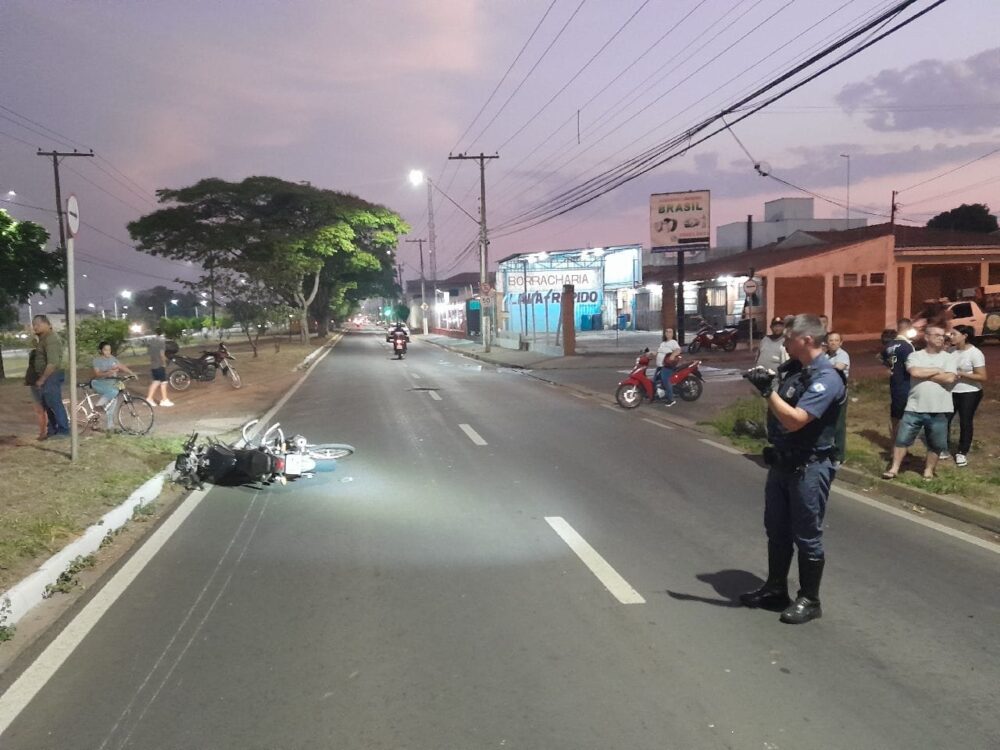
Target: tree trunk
[[253, 344], [304, 303], [321, 310], [3, 374]]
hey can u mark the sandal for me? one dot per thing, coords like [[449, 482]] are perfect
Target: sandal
[[888, 475]]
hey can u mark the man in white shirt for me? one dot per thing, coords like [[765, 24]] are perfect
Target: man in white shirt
[[932, 373], [667, 356], [841, 361], [771, 352]]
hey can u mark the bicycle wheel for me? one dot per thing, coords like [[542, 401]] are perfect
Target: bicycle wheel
[[329, 451], [85, 420], [135, 415]]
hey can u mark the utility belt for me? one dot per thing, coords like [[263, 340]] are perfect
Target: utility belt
[[792, 460]]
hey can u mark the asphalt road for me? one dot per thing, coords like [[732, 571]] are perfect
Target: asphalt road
[[424, 595]]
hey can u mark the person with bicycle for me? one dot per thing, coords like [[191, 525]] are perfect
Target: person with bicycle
[[107, 372]]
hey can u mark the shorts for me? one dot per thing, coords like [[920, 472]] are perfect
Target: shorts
[[934, 426], [159, 374]]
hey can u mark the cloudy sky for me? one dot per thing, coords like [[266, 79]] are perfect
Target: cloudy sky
[[353, 94]]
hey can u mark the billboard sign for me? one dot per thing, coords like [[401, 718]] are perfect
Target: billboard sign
[[679, 221], [540, 281]]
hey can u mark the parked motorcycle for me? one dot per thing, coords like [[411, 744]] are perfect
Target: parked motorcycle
[[274, 459], [203, 368], [399, 340], [687, 382], [708, 337]]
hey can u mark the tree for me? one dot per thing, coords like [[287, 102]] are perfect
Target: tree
[[159, 298], [24, 263], [280, 234], [975, 217]]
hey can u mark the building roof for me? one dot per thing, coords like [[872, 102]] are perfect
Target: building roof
[[803, 244]]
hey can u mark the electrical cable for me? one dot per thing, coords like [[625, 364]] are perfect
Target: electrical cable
[[653, 158], [118, 198], [950, 171], [504, 77]]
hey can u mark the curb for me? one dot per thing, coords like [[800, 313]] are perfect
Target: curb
[[917, 498], [29, 592]]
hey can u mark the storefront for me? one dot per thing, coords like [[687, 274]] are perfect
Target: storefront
[[605, 282]]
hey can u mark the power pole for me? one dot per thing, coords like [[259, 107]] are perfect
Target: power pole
[[483, 242], [55, 156], [431, 248], [423, 289], [892, 209], [69, 295]]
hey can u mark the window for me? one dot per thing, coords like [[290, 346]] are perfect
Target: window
[[961, 310], [876, 279], [716, 296], [849, 279]]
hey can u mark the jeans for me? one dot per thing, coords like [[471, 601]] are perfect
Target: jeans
[[664, 377], [52, 402], [965, 406], [109, 390], [795, 504]]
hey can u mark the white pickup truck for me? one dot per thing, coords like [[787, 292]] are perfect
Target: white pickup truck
[[978, 308]]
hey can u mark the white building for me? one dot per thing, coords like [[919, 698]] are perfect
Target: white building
[[782, 218]]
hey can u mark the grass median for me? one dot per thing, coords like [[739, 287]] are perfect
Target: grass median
[[48, 501], [869, 446]]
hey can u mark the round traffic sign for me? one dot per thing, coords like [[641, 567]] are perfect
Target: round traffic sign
[[750, 286], [424, 306], [73, 215]]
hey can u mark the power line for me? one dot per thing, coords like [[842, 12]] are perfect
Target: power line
[[504, 77], [19, 140], [657, 156], [950, 171], [104, 190], [65, 139]]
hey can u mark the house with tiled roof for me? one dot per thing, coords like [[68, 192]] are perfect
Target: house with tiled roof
[[863, 279]]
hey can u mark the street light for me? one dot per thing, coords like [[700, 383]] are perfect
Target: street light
[[417, 177], [848, 157]]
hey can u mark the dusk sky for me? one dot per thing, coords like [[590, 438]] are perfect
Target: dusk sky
[[352, 95]]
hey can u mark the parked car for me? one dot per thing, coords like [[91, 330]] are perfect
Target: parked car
[[978, 308]]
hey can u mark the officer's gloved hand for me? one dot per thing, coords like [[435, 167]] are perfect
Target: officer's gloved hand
[[762, 379]]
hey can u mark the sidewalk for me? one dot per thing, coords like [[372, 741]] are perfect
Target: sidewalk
[[596, 372]]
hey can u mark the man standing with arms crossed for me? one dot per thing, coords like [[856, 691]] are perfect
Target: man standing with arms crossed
[[803, 404]]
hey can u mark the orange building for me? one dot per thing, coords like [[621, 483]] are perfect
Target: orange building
[[863, 279]]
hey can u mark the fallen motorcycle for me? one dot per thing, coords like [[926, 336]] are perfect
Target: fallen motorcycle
[[203, 368], [686, 380], [274, 459]]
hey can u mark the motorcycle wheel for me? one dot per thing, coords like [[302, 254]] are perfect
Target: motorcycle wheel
[[628, 396], [329, 451], [694, 346], [234, 377], [179, 380], [690, 388], [730, 345]]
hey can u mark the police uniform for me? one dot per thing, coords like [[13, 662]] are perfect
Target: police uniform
[[798, 484]]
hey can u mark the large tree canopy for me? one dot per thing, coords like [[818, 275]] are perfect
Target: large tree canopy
[[973, 217], [24, 263], [307, 245]]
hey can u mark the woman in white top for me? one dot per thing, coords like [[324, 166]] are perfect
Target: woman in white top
[[968, 389]]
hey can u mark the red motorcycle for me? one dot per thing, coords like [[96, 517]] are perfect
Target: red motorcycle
[[399, 339], [709, 338], [686, 380]]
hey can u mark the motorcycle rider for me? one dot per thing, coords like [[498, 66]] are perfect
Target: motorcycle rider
[[399, 331], [667, 356], [804, 400]]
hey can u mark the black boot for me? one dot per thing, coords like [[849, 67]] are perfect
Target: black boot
[[773, 595], [806, 605]]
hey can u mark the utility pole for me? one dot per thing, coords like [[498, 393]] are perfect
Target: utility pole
[[892, 209], [55, 156], [433, 252], [484, 322], [423, 288]]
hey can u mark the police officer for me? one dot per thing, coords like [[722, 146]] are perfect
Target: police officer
[[804, 399]]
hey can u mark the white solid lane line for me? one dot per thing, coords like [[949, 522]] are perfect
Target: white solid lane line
[[658, 424], [37, 675], [435, 395], [607, 575], [721, 447], [473, 435]]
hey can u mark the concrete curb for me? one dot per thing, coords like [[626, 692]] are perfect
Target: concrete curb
[[946, 506], [28, 593]]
